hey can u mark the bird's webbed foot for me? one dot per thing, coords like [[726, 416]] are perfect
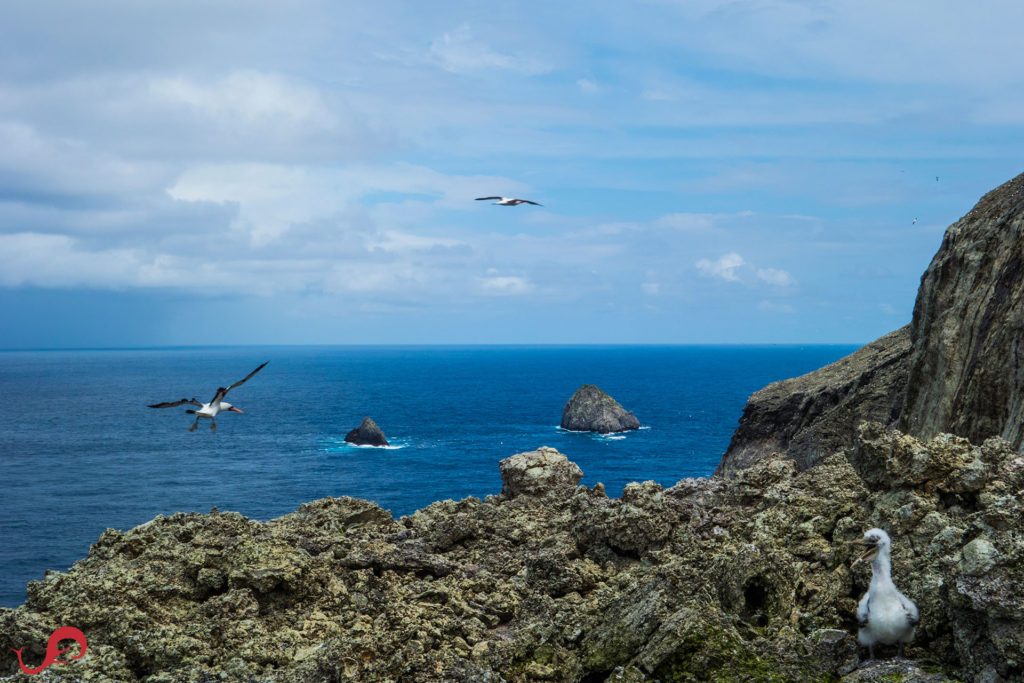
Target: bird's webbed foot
[[194, 425], [213, 426]]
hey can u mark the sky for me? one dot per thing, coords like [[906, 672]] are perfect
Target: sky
[[305, 172]]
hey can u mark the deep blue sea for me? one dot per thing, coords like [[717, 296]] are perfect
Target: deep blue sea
[[81, 452]]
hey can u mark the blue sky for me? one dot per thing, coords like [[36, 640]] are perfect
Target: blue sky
[[250, 172]]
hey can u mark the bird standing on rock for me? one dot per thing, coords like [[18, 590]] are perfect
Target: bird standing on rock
[[886, 616]]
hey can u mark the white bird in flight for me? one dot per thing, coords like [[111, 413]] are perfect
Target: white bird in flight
[[885, 615], [508, 201], [210, 410]]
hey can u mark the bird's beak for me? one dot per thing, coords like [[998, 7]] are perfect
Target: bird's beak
[[870, 552], [233, 409]]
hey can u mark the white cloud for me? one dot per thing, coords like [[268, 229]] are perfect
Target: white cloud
[[724, 268], [505, 285], [774, 276], [587, 86], [459, 51]]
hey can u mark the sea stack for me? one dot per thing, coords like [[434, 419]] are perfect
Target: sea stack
[[592, 410], [367, 434]]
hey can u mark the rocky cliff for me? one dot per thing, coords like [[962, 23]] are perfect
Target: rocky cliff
[[958, 367], [740, 579]]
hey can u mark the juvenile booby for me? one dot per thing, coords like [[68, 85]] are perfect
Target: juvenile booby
[[886, 616], [210, 410], [508, 201]]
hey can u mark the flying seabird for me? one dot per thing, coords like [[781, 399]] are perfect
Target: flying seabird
[[214, 407], [915, 221], [886, 616], [508, 201]]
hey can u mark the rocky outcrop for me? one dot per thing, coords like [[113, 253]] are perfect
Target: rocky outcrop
[[817, 414], [957, 368], [592, 410], [367, 434], [747, 578], [967, 373]]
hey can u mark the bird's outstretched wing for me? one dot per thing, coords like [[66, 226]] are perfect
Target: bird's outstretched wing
[[527, 201], [479, 199], [222, 391], [171, 404]]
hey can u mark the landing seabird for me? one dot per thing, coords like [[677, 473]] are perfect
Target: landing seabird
[[214, 407], [508, 201], [886, 616]]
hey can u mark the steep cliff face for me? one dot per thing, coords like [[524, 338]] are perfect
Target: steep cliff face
[[967, 368], [957, 368], [813, 416]]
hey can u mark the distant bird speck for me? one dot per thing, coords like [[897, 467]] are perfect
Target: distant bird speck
[[915, 222], [508, 201]]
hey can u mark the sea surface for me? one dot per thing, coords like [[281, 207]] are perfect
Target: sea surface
[[81, 452]]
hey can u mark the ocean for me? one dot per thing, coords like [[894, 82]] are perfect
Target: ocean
[[80, 451]]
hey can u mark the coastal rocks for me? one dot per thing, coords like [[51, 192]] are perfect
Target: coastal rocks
[[366, 434], [742, 578], [966, 376], [812, 416], [957, 368], [592, 410]]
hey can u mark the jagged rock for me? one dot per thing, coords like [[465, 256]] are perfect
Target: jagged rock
[[812, 416], [742, 578], [367, 434], [592, 410]]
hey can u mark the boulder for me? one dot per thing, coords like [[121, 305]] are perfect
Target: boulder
[[538, 473], [592, 410], [367, 434]]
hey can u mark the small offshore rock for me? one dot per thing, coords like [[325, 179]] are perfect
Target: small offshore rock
[[592, 410], [367, 434]]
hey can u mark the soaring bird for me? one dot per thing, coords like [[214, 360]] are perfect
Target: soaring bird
[[210, 410], [508, 201], [886, 616]]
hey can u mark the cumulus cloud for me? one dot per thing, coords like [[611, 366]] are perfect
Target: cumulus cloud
[[724, 268]]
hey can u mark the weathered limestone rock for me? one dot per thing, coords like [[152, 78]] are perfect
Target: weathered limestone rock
[[538, 473], [592, 410], [367, 434], [746, 578]]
